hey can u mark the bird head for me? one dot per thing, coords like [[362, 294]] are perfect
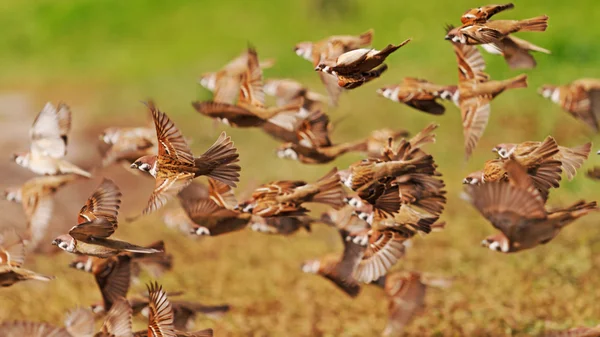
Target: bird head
[[550, 91], [287, 151], [13, 194], [145, 164], [390, 92], [504, 150], [304, 50], [21, 158], [474, 178], [65, 242], [209, 81], [498, 243]]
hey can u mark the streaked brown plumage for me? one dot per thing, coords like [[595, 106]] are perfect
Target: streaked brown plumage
[[515, 52], [581, 98], [417, 93], [78, 323], [483, 14], [493, 31], [282, 225]]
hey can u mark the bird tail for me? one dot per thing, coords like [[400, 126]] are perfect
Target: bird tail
[[575, 211], [218, 162], [572, 158], [537, 24], [517, 82], [67, 167], [366, 38], [375, 73], [141, 250], [385, 52], [330, 190]]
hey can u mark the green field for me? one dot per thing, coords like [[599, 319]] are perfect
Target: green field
[[104, 57]]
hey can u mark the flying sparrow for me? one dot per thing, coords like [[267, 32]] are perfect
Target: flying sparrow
[[581, 98], [12, 257], [285, 197], [250, 109], [48, 136], [475, 92], [309, 130], [174, 166], [126, 144], [357, 66], [483, 14], [417, 93], [35, 196], [571, 158], [515, 52], [234, 69], [518, 212], [287, 91], [97, 221], [495, 30]]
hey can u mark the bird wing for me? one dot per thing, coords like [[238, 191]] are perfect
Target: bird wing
[[31, 329], [475, 113], [48, 133], [470, 62], [104, 203], [171, 144], [118, 319], [12, 249], [80, 323], [113, 279], [252, 91], [166, 188], [383, 251], [160, 319], [99, 228]]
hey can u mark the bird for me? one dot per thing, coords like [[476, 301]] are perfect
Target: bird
[[418, 93], [36, 198], [516, 52], [540, 164], [483, 14], [476, 91], [113, 277], [78, 322], [48, 136], [358, 66], [96, 222], [12, 257], [319, 154], [126, 144], [517, 210], [571, 158], [322, 50], [312, 129], [493, 31], [174, 167], [282, 225], [215, 215], [288, 91], [406, 291], [250, 109], [580, 98], [285, 197]]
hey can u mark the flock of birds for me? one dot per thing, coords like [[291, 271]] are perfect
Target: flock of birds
[[377, 204]]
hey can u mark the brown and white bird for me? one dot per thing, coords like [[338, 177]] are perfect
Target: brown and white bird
[[48, 136], [36, 198], [483, 14], [126, 144], [113, 276], [476, 91], [96, 222], [215, 215], [358, 66], [417, 93], [517, 210], [78, 323], [571, 158], [323, 50], [285, 197], [281, 225], [174, 167], [12, 257], [288, 91], [580, 98], [406, 293], [250, 109], [516, 52], [234, 69]]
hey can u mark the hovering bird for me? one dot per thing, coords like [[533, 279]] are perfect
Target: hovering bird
[[580, 98], [12, 257], [250, 109], [174, 167], [285, 197], [516, 52], [126, 144], [78, 323], [571, 158], [358, 66], [483, 14], [419, 94], [476, 91], [48, 136], [36, 198], [97, 221], [517, 210], [323, 50]]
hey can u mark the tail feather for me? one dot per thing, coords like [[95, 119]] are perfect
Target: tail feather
[[424, 137], [218, 162], [375, 73], [330, 190], [388, 202], [390, 48], [143, 250], [366, 38], [572, 158], [575, 211], [546, 150], [537, 24], [158, 245], [546, 176], [517, 82]]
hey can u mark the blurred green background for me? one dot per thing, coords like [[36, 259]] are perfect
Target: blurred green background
[[103, 57]]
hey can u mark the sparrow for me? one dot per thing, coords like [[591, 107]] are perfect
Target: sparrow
[[184, 312], [285, 197], [284, 225], [515, 52], [379, 139], [126, 144], [78, 323], [339, 270], [323, 50], [48, 136], [118, 320], [215, 215], [250, 109], [406, 293], [483, 14], [312, 130], [12, 257], [571, 158], [319, 155], [36, 198], [288, 91], [155, 264], [417, 93], [174, 166], [357, 66], [234, 69], [476, 91], [519, 213], [581, 98], [97, 221], [492, 31]]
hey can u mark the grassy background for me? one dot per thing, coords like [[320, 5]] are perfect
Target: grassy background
[[103, 57]]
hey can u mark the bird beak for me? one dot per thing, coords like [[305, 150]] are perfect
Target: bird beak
[[317, 68], [495, 149], [133, 166], [467, 181], [447, 37], [54, 242]]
